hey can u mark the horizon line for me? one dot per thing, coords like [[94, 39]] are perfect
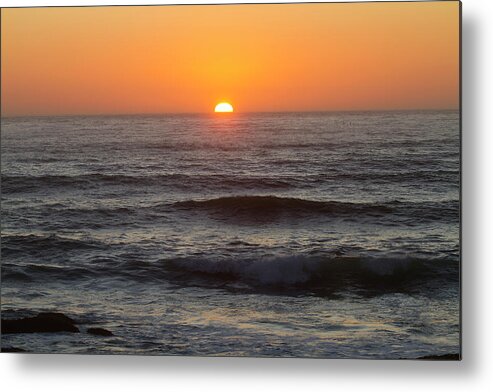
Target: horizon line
[[232, 113]]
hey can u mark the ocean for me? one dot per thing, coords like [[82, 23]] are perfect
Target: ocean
[[324, 235]]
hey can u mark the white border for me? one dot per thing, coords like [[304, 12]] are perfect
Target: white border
[[22, 3], [125, 373]]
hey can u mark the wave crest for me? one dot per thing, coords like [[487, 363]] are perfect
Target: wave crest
[[275, 204], [264, 208], [319, 273]]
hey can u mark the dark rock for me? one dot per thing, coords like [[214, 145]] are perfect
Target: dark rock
[[43, 322], [12, 350], [444, 357], [99, 332]]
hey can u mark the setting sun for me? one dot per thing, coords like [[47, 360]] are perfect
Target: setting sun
[[223, 107]]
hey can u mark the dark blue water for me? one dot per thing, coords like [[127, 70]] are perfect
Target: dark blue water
[[300, 234]]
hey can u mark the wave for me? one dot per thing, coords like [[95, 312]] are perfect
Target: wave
[[308, 274], [238, 210], [19, 184], [449, 177], [320, 274], [262, 204], [268, 207], [37, 244]]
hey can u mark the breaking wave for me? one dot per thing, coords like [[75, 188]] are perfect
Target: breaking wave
[[321, 273]]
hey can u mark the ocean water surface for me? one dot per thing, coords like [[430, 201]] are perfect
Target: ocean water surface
[[328, 235]]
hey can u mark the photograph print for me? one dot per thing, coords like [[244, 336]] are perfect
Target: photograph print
[[257, 180]]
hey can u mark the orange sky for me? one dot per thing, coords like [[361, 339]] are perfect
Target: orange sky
[[286, 57]]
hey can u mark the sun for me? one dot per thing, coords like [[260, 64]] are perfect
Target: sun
[[223, 107]]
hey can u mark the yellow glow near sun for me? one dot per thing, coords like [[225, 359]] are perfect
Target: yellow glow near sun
[[223, 107]]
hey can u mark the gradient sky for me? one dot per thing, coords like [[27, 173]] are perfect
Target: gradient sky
[[287, 57]]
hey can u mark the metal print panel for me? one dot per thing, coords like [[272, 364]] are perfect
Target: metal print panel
[[270, 180]]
